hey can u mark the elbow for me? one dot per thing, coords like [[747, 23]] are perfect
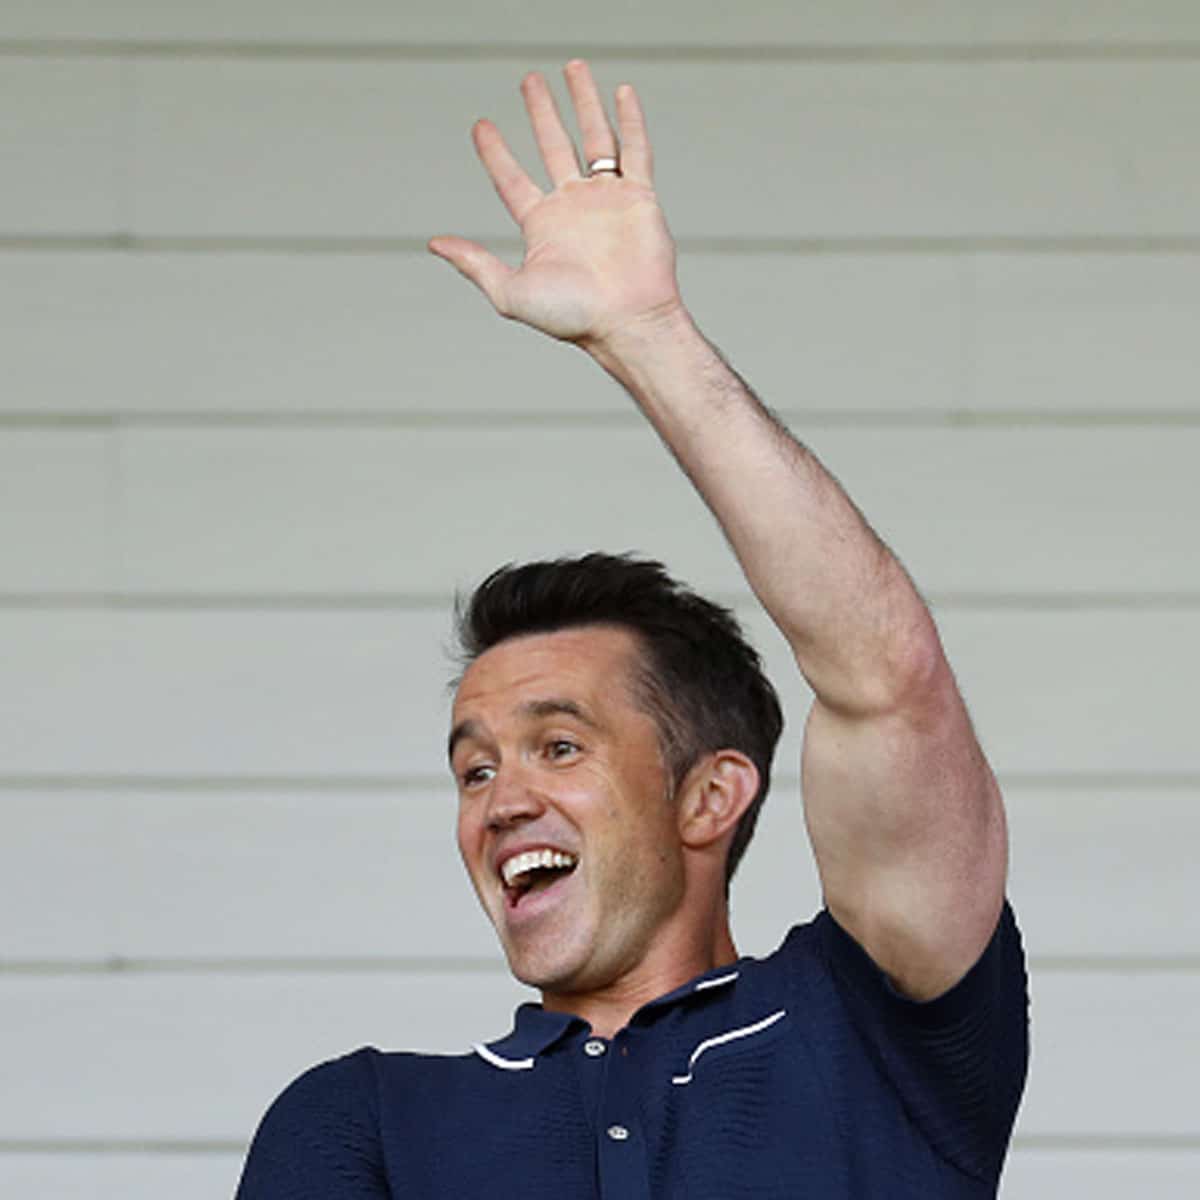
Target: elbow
[[908, 671], [918, 669], [879, 658]]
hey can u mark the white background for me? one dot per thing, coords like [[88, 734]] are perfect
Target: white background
[[252, 437]]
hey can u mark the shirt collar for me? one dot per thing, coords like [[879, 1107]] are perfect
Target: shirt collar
[[716, 980], [535, 1030]]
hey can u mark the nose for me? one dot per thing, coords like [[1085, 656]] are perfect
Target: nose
[[512, 800]]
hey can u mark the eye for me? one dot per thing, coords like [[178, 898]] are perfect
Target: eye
[[561, 748], [473, 776]]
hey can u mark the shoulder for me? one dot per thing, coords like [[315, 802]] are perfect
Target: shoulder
[[821, 948], [846, 994], [344, 1088], [355, 1082], [322, 1128], [999, 970], [322, 1135]]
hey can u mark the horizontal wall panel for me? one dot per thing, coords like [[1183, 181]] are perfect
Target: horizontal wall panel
[[1101, 1174], [1028, 1175], [331, 510], [354, 333], [201, 1057], [223, 692], [321, 511], [1083, 333], [288, 873], [1101, 872], [1090, 1029], [132, 1176], [271, 148], [64, 138], [1097, 23], [471, 23], [296, 333], [1054, 692], [1105, 871], [54, 510], [362, 694], [196, 1057], [337, 873], [709, 23]]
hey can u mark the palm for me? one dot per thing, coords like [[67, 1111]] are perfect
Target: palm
[[598, 253]]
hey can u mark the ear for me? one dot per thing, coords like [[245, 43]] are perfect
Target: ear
[[715, 794]]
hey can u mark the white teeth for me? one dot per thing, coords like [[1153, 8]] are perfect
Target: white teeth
[[531, 860]]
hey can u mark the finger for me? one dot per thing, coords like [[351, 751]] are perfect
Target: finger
[[478, 265], [637, 160], [557, 148], [599, 141], [514, 187]]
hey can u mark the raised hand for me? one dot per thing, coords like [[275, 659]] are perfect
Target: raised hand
[[598, 255]]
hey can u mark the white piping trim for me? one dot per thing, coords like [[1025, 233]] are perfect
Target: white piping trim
[[720, 979], [505, 1064], [732, 1035]]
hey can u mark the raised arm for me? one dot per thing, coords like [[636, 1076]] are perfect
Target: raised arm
[[905, 818]]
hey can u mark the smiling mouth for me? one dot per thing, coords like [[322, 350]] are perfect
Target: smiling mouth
[[534, 871]]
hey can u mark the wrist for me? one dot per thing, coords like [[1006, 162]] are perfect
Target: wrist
[[650, 336]]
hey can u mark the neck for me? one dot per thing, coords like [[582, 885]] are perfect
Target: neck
[[609, 1009]]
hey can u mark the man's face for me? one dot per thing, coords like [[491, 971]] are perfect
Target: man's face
[[566, 822]]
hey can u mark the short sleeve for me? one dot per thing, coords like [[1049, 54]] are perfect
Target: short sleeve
[[320, 1139], [958, 1061]]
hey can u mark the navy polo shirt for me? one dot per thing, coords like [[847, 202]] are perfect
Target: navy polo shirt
[[804, 1074]]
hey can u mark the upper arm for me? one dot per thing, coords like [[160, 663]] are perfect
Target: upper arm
[[320, 1139], [908, 830]]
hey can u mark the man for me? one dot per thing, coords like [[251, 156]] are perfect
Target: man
[[611, 740]]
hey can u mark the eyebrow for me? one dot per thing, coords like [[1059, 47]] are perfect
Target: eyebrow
[[536, 709], [464, 729]]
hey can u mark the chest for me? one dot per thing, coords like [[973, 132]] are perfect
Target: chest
[[717, 1111]]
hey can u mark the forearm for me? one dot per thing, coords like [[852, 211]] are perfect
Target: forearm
[[856, 624], [599, 271]]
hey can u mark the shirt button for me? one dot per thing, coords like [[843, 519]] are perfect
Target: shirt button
[[618, 1133], [594, 1048]]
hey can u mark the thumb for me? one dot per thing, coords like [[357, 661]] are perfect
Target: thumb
[[478, 265]]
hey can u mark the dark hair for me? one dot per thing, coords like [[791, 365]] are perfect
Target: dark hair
[[700, 679]]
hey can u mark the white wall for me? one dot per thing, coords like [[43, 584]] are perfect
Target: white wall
[[252, 436]]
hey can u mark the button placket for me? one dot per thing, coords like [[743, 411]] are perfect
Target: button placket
[[624, 1172]]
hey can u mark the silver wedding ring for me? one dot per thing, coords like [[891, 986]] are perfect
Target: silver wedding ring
[[603, 166]]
